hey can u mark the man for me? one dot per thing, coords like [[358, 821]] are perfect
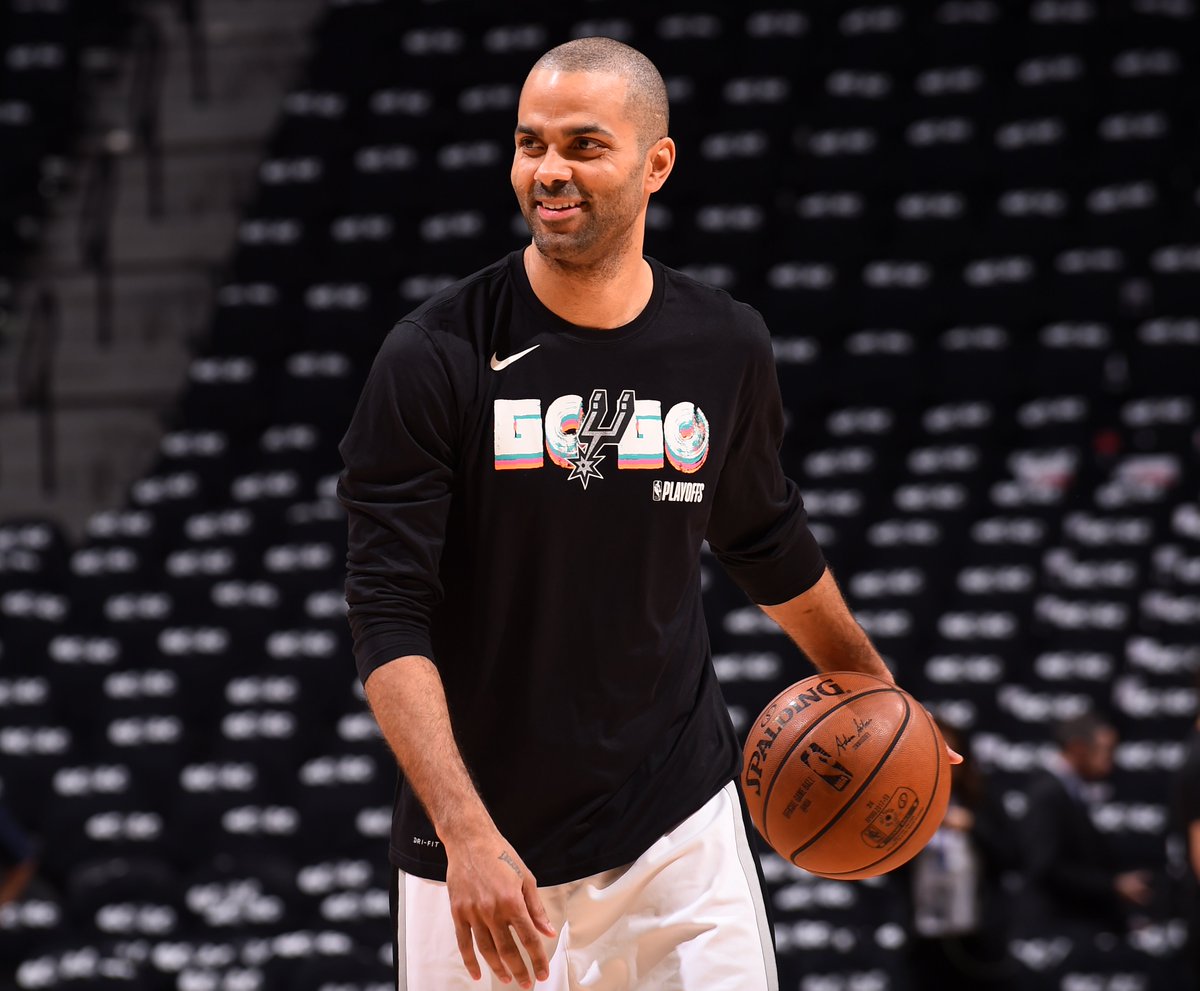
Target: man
[[538, 454], [1073, 880], [18, 858], [1185, 840]]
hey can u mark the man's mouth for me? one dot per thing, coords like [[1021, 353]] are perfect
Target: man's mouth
[[558, 209]]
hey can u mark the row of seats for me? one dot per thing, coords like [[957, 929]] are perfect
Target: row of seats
[[912, 241]]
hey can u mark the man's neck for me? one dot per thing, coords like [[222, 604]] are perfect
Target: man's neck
[[602, 296]]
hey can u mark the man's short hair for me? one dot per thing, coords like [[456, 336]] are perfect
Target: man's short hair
[[646, 98], [1083, 728]]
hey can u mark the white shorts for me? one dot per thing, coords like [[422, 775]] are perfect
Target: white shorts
[[687, 915]]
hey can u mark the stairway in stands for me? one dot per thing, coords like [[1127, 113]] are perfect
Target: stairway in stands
[[113, 384]]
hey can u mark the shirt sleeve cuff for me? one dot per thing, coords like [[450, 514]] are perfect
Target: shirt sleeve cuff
[[379, 650]]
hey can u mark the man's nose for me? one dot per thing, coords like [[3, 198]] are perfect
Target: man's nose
[[552, 168]]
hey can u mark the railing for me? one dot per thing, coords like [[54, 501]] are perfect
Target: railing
[[148, 55], [35, 380], [95, 232], [145, 98], [191, 13]]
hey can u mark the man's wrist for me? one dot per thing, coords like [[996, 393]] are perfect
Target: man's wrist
[[466, 829]]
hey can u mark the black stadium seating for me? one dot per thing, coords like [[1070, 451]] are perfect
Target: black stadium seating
[[974, 228]]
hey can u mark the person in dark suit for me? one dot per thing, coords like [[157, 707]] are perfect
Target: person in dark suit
[[958, 928], [18, 860], [1184, 842], [1073, 882]]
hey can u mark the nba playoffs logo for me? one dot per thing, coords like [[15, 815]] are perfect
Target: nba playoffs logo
[[662, 491], [579, 438]]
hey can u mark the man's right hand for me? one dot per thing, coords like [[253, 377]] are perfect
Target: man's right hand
[[492, 893], [492, 896]]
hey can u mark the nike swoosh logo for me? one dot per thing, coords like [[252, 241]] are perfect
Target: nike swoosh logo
[[497, 364]]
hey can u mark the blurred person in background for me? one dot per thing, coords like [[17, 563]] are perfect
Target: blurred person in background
[[1184, 841], [958, 932], [18, 859], [1073, 882]]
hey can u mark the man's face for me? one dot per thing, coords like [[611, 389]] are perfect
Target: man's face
[[578, 170], [1095, 755]]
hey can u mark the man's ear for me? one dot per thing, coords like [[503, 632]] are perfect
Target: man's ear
[[660, 159]]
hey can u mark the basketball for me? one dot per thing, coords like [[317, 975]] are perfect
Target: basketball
[[846, 775]]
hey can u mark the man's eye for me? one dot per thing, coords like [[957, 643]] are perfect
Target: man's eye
[[586, 144]]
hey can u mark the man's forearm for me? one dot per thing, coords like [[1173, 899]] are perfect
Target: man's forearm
[[493, 894], [409, 703], [820, 623]]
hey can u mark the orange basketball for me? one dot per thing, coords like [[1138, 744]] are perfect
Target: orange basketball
[[846, 775]]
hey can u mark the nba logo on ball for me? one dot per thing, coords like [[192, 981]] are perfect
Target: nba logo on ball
[[818, 759], [846, 775]]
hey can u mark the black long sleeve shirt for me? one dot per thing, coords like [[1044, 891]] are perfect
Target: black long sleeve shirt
[[527, 502]]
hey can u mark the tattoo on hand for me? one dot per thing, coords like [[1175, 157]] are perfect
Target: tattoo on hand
[[511, 863]]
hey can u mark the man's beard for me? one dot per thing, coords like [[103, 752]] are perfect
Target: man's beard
[[612, 223]]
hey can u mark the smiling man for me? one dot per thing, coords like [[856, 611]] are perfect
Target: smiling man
[[598, 230], [538, 456]]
